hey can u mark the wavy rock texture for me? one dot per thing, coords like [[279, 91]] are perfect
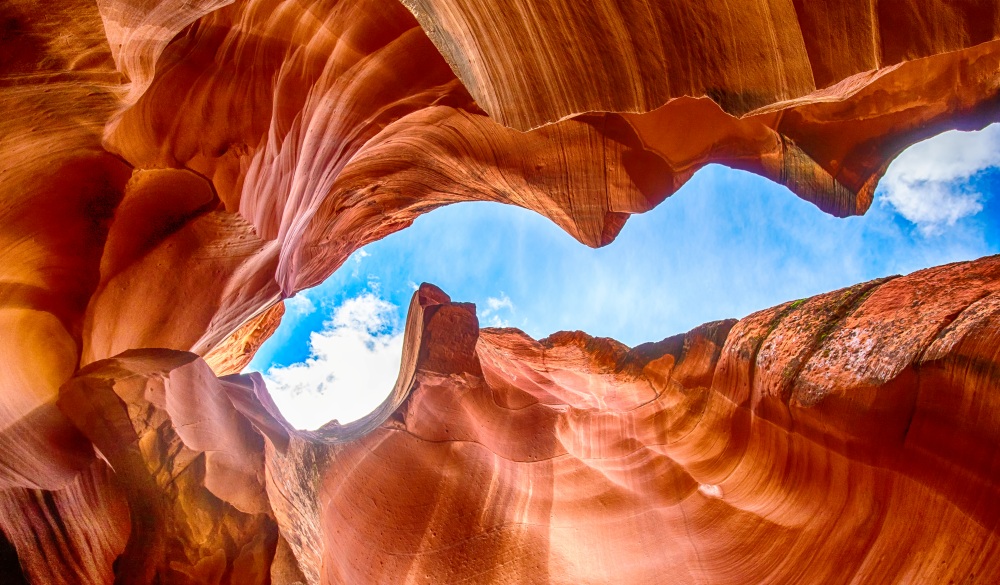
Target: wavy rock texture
[[171, 170], [846, 438], [534, 62], [189, 465]]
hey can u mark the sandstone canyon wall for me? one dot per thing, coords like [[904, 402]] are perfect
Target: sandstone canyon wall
[[170, 171]]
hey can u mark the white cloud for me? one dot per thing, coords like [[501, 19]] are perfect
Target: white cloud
[[366, 313], [500, 303], [352, 366], [932, 205], [496, 321], [494, 306], [928, 184], [300, 305], [357, 257]]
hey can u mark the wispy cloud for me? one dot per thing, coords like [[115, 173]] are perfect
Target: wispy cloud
[[300, 305], [930, 184], [503, 302], [491, 314], [358, 257], [352, 365]]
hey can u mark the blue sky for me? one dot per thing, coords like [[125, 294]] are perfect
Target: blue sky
[[727, 244]]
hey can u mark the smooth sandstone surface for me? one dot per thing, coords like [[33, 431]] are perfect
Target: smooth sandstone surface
[[845, 438], [171, 170]]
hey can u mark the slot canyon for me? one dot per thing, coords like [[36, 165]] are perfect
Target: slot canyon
[[171, 171]]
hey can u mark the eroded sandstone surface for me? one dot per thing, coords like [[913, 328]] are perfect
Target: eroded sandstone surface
[[845, 438], [170, 171]]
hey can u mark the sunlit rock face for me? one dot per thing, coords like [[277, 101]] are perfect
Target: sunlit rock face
[[845, 438], [170, 171]]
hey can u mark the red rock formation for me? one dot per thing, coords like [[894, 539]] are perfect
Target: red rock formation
[[171, 170], [69, 536], [846, 438], [532, 62], [236, 352], [188, 464]]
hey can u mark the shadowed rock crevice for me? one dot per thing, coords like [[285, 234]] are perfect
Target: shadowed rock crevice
[[10, 568]]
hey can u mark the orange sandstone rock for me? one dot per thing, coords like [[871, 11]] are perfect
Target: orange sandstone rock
[[724, 455], [189, 465], [170, 170], [236, 352], [696, 459]]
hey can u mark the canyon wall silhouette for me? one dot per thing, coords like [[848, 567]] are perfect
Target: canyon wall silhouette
[[171, 171]]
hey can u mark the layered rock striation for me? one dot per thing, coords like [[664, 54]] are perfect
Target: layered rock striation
[[170, 171], [845, 438]]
